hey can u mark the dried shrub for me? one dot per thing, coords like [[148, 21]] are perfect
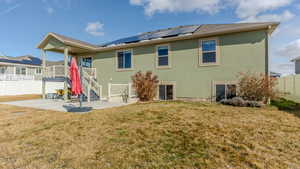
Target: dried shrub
[[145, 85], [240, 102], [236, 101], [256, 87]]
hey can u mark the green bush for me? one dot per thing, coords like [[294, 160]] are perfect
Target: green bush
[[284, 104]]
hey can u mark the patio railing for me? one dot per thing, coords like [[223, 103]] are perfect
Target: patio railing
[[15, 77], [59, 71]]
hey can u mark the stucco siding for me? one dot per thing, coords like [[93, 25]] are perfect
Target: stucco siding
[[238, 53]]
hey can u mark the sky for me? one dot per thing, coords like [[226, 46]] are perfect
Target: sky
[[24, 23]]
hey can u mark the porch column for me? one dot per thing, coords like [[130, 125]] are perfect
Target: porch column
[[66, 51], [44, 74]]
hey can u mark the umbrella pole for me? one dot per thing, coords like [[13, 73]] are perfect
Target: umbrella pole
[[80, 96]]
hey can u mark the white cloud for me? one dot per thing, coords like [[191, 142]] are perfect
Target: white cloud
[[95, 28], [154, 6], [291, 50], [244, 9], [136, 2], [283, 17], [283, 68], [250, 8], [7, 1], [50, 10], [8, 10]]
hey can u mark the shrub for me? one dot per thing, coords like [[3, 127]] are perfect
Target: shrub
[[240, 102], [254, 104], [256, 87], [284, 104], [145, 85], [236, 101]]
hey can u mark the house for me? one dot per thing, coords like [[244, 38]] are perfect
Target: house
[[23, 75], [199, 62], [297, 64], [20, 68]]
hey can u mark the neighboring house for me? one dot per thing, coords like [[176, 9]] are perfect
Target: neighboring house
[[297, 64], [23, 75], [192, 62], [20, 68]]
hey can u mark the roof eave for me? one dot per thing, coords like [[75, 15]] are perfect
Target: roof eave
[[270, 27], [43, 43]]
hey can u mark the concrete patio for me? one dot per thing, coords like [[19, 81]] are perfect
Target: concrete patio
[[60, 105]]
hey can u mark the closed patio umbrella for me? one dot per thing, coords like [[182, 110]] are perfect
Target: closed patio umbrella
[[76, 87]]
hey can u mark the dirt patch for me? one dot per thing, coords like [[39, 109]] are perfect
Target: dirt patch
[[19, 97]]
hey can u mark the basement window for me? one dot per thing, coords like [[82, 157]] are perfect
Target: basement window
[[166, 92], [225, 91]]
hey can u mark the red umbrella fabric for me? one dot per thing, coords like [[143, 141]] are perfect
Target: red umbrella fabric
[[75, 78]]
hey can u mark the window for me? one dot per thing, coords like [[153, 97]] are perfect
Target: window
[[21, 70], [38, 70], [166, 92], [225, 91], [3, 69], [208, 52], [87, 62], [124, 59], [163, 56]]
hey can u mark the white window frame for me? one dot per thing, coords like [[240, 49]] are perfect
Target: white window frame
[[91, 60], [117, 62], [215, 83], [21, 67], [200, 56], [36, 70], [169, 57], [173, 83]]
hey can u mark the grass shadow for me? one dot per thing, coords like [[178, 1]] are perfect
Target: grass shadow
[[287, 106]]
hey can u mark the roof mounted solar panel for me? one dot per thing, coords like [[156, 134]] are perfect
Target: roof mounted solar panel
[[124, 40], [156, 35], [182, 30]]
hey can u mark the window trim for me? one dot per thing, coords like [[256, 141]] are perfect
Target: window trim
[[173, 83], [36, 72], [92, 59], [21, 67], [117, 62], [169, 57], [214, 87], [200, 52]]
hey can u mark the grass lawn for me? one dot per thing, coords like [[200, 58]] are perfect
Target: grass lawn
[[19, 97], [152, 135]]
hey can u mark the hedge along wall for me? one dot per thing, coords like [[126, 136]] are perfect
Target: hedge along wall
[[289, 85]]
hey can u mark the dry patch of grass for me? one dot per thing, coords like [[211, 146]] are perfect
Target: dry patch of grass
[[154, 135], [19, 97]]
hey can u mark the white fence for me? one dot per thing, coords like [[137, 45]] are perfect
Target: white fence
[[119, 90], [289, 85], [27, 87]]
